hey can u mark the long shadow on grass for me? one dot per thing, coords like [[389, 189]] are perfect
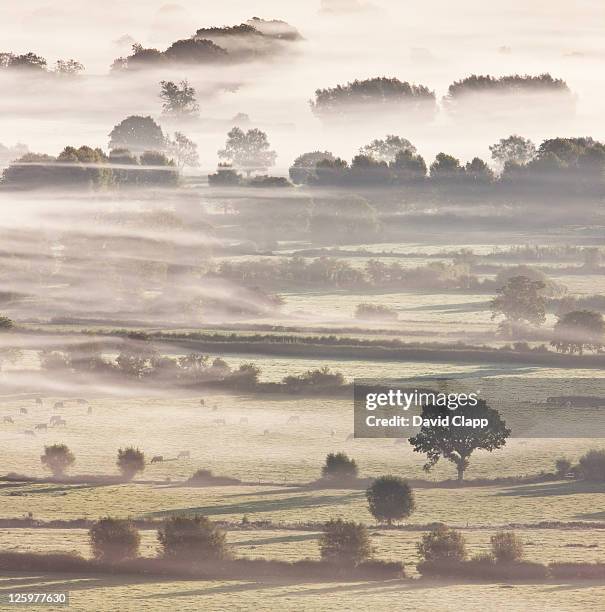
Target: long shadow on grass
[[265, 505], [278, 539], [553, 489], [63, 488]]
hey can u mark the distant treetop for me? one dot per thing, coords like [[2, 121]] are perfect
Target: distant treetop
[[510, 84]]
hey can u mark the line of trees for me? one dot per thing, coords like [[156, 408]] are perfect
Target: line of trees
[[31, 63]]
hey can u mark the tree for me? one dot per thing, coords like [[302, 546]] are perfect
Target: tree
[[513, 150], [578, 330], [478, 172], [113, 540], [507, 546], [6, 323], [386, 150], [191, 539], [57, 458], [184, 151], [338, 466], [592, 465], [442, 543], [408, 167], [68, 67], [178, 100], [390, 498], [457, 442], [520, 300], [303, 169], [137, 134], [446, 168], [248, 150], [562, 466], [192, 51], [344, 542], [130, 461]]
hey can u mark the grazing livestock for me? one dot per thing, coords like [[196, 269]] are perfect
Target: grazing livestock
[[293, 419], [243, 421], [184, 455], [219, 422], [202, 402], [157, 459], [22, 410], [39, 401], [89, 411], [54, 419], [59, 405], [60, 422], [7, 419], [41, 426], [29, 432], [81, 402], [266, 432]]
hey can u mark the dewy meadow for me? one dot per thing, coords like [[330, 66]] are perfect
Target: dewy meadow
[[219, 223]]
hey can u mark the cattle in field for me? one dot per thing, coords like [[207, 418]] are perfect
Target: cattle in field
[[22, 410], [60, 423], [38, 401], [202, 402], [59, 405], [29, 432], [293, 419], [157, 459], [54, 419], [7, 419], [243, 421], [41, 426], [184, 455], [219, 422], [81, 402]]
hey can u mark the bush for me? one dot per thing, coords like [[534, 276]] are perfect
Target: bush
[[114, 540], [592, 465], [375, 569], [442, 543], [192, 539], [339, 467], [345, 542], [484, 567], [378, 312], [130, 461], [562, 466], [57, 458], [583, 571], [6, 323], [390, 498], [507, 546]]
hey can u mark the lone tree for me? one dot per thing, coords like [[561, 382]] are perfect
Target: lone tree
[[579, 330], [6, 323], [442, 543], [456, 443], [114, 540], [344, 542], [130, 461], [592, 465], [521, 301], [137, 134], [248, 151], [184, 151], [513, 150], [386, 150], [390, 498], [339, 466], [57, 458], [192, 539], [179, 101]]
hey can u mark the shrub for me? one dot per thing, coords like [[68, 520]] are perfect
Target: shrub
[[6, 323], [375, 311], [442, 543], [592, 465], [380, 570], [562, 466], [130, 461], [114, 540], [507, 546], [390, 498], [57, 458], [192, 539], [345, 542], [339, 467]]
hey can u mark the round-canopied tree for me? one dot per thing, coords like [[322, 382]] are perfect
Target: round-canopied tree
[[114, 539], [192, 539], [578, 330], [390, 498], [339, 466], [137, 134], [345, 542], [130, 461], [57, 458]]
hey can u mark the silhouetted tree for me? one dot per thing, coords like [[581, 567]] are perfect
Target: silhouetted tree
[[191, 539], [137, 134], [521, 301], [130, 461], [338, 466], [179, 101], [303, 170], [456, 443], [386, 150], [390, 498], [184, 151], [345, 543], [514, 149], [446, 168], [113, 540], [442, 543]]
